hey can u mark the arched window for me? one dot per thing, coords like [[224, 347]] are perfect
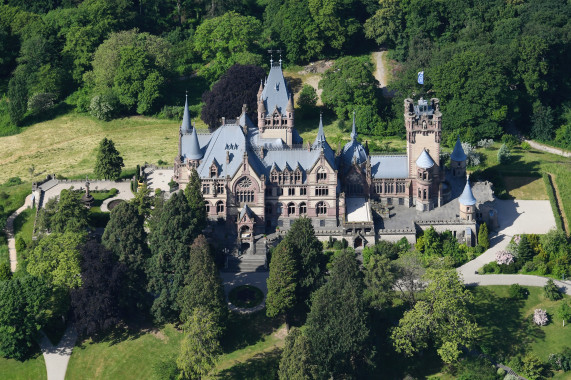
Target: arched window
[[207, 207], [321, 209], [219, 207], [321, 174], [291, 209], [302, 208]]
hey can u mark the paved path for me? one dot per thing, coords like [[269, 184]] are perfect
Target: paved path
[[124, 188], [57, 357], [10, 233], [548, 149]]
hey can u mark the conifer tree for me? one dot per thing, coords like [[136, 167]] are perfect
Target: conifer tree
[[193, 193], [282, 282], [108, 163], [524, 250], [125, 236], [295, 362], [169, 262], [203, 284], [483, 239]]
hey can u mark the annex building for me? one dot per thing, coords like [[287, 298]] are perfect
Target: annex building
[[259, 176]]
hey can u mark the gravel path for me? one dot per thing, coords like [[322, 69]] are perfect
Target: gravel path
[[548, 149], [10, 233], [57, 357]]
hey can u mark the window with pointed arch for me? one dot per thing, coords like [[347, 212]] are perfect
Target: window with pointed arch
[[274, 176], [302, 208], [298, 176], [219, 207], [321, 209], [291, 209]]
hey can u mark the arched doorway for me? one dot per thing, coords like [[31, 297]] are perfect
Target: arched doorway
[[358, 242]]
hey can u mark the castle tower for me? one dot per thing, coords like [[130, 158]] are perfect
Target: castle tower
[[424, 182], [423, 122], [467, 202], [275, 107], [458, 160]]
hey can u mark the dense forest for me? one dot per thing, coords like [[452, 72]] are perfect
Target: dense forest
[[499, 66]]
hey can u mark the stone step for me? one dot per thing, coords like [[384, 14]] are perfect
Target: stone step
[[246, 263]]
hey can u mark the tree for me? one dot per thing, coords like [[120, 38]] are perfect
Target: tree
[[379, 282], [309, 256], [143, 201], [564, 311], [66, 214], [238, 86], [193, 194], [5, 272], [386, 25], [335, 19], [96, 303], [542, 123], [443, 317], [348, 83], [200, 346], [409, 271], [203, 287], [23, 313], [169, 263], [18, 95], [504, 154], [483, 240], [307, 99], [337, 328], [295, 362], [524, 250], [150, 97], [551, 291], [56, 259], [125, 236], [108, 162], [282, 282]]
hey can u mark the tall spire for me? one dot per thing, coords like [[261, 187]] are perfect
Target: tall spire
[[458, 153], [186, 127], [354, 131], [320, 139]]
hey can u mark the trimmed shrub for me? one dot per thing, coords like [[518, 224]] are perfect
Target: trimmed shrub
[[551, 291], [517, 292]]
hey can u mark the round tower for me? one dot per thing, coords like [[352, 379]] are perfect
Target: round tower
[[424, 182], [458, 160], [467, 202]]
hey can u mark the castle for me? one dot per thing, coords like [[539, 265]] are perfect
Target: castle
[[259, 177]]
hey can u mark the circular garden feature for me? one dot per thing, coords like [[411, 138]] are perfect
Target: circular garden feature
[[246, 296], [114, 203]]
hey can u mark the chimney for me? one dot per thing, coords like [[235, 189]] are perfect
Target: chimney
[[262, 153], [227, 156], [223, 121]]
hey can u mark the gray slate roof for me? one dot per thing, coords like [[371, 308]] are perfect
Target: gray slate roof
[[424, 160], [229, 138], [353, 150], [185, 126], [245, 210], [467, 198], [275, 91], [458, 153], [393, 166]]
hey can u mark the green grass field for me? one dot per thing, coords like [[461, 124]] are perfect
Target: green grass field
[[31, 369]]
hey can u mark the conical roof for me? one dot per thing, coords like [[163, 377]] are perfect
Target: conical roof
[[424, 160], [320, 138], [458, 153], [467, 198], [194, 152], [185, 127], [353, 151]]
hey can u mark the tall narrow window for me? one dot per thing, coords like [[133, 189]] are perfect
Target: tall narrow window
[[302, 208], [291, 209], [219, 207], [321, 209]]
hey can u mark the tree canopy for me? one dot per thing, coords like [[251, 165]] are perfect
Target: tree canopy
[[108, 162]]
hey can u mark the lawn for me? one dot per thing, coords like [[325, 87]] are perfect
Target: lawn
[[24, 224], [531, 188], [12, 197], [31, 369], [251, 347]]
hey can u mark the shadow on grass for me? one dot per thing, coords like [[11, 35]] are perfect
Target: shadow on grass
[[243, 330], [504, 331], [262, 366], [60, 109]]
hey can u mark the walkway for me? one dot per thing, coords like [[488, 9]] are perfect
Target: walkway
[[548, 149], [257, 279], [124, 188], [10, 233], [57, 357]]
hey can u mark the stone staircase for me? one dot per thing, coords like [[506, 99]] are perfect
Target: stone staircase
[[250, 261]]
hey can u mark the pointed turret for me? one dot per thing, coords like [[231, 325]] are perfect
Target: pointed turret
[[458, 153], [354, 130], [289, 107], [467, 198], [320, 139], [261, 88], [185, 127], [424, 161], [194, 152]]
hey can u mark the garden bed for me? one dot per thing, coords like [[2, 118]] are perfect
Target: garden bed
[[246, 296]]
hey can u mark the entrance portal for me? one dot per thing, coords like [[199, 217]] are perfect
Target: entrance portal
[[358, 242]]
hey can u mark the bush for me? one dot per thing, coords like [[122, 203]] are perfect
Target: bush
[[551, 291], [13, 181], [41, 102], [472, 157], [307, 98], [172, 112], [504, 154], [529, 267], [485, 143], [492, 267], [20, 245], [517, 292], [504, 258], [525, 145], [510, 141], [561, 361]]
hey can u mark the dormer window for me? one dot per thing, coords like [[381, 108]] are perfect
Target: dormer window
[[213, 171], [298, 176]]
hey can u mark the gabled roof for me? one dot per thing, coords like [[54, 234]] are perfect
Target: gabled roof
[[458, 153], [245, 211], [467, 198], [275, 93], [393, 166], [424, 160]]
